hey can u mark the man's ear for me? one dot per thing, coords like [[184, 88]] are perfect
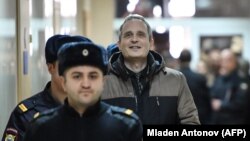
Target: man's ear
[[152, 44], [63, 82], [51, 67], [118, 44]]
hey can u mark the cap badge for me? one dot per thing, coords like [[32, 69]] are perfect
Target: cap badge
[[85, 52]]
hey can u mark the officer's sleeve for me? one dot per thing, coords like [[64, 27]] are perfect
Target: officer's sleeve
[[136, 132], [15, 128]]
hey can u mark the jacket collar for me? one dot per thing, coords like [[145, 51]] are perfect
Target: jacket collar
[[91, 111], [47, 97], [117, 66]]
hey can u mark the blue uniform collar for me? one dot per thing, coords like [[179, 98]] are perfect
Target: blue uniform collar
[[47, 97], [92, 111]]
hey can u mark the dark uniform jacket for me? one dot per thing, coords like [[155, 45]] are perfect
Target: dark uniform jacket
[[100, 122], [158, 95], [25, 112], [232, 91]]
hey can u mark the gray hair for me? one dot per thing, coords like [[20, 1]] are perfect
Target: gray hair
[[138, 17]]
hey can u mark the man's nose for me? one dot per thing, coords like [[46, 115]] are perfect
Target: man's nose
[[134, 38], [85, 83]]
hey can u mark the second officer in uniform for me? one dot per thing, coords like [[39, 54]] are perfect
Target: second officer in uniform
[[83, 116], [51, 97]]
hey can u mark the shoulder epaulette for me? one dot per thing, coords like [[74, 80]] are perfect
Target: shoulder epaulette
[[45, 113], [124, 112], [25, 106]]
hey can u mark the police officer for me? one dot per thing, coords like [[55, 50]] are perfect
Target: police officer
[[83, 116], [52, 95]]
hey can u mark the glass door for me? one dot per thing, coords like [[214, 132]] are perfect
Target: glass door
[[8, 63]]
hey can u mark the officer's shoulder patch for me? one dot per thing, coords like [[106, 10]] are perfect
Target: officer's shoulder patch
[[25, 106], [11, 134], [124, 112], [46, 113]]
